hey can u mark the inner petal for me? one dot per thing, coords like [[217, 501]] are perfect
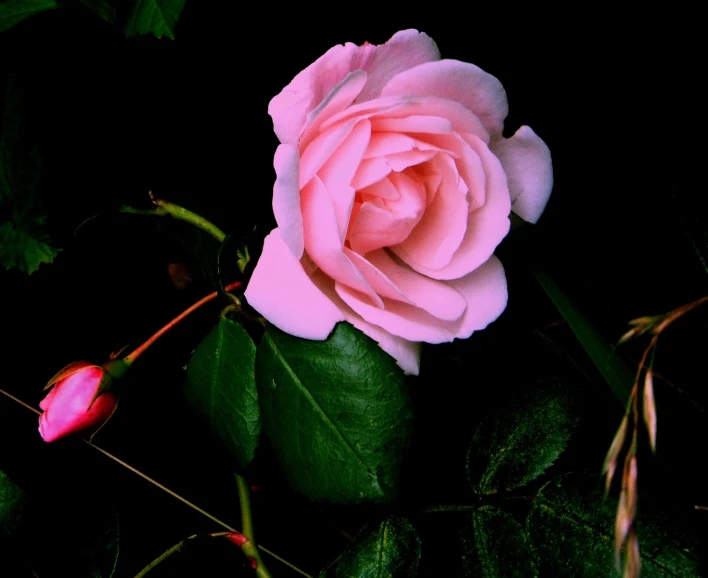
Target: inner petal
[[442, 228]]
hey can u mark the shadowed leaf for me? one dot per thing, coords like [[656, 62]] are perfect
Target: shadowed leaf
[[389, 550], [221, 385]]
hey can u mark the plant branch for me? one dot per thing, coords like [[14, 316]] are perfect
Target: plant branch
[[130, 358], [249, 547]]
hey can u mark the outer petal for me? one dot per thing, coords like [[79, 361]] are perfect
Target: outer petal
[[527, 163], [308, 89], [286, 198], [486, 294], [281, 291], [405, 49], [406, 353], [462, 82]]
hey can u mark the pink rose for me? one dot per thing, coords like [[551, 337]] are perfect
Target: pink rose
[[394, 187], [66, 406]]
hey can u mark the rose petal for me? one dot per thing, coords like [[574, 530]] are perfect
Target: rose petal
[[338, 172], [369, 172], [321, 149], [281, 291], [406, 49], [437, 298], [405, 352], [309, 88], [527, 163], [335, 102], [486, 226], [385, 223], [401, 161], [443, 226], [399, 318], [414, 124], [402, 106], [462, 82], [286, 198], [485, 292], [323, 242]]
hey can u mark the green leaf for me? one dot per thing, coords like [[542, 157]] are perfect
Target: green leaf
[[156, 16], [389, 550], [15, 11], [495, 545], [25, 249], [519, 441], [613, 370], [24, 242], [103, 9], [337, 413], [102, 546], [12, 501], [221, 385], [571, 530]]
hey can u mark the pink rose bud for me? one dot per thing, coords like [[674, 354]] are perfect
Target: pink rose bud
[[77, 402]]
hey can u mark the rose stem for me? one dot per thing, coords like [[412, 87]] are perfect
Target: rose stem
[[167, 490], [165, 207], [249, 548], [130, 358]]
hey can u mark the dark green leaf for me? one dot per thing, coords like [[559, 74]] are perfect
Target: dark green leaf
[[571, 530], [221, 385], [15, 11], [389, 550], [519, 441], [102, 8], [103, 546], [154, 16], [24, 242], [613, 370], [495, 545], [24, 248], [12, 502], [337, 413]]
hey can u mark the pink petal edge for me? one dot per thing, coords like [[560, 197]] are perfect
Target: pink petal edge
[[281, 291], [527, 162]]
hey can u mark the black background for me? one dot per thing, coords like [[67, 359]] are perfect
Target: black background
[[621, 106]]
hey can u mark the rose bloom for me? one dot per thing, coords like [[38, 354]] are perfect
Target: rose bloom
[[394, 187], [67, 407]]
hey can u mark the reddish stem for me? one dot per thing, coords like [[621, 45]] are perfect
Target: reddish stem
[[141, 349]]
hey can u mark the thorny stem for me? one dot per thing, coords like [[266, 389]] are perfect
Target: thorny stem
[[249, 548], [129, 359], [176, 548], [165, 489]]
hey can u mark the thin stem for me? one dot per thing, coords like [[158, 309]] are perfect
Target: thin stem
[[167, 490], [176, 548], [130, 358], [453, 508], [189, 216], [249, 548]]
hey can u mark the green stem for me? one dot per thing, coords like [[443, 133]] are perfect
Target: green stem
[[176, 548], [189, 216], [455, 508], [130, 358], [166, 208], [249, 548]]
